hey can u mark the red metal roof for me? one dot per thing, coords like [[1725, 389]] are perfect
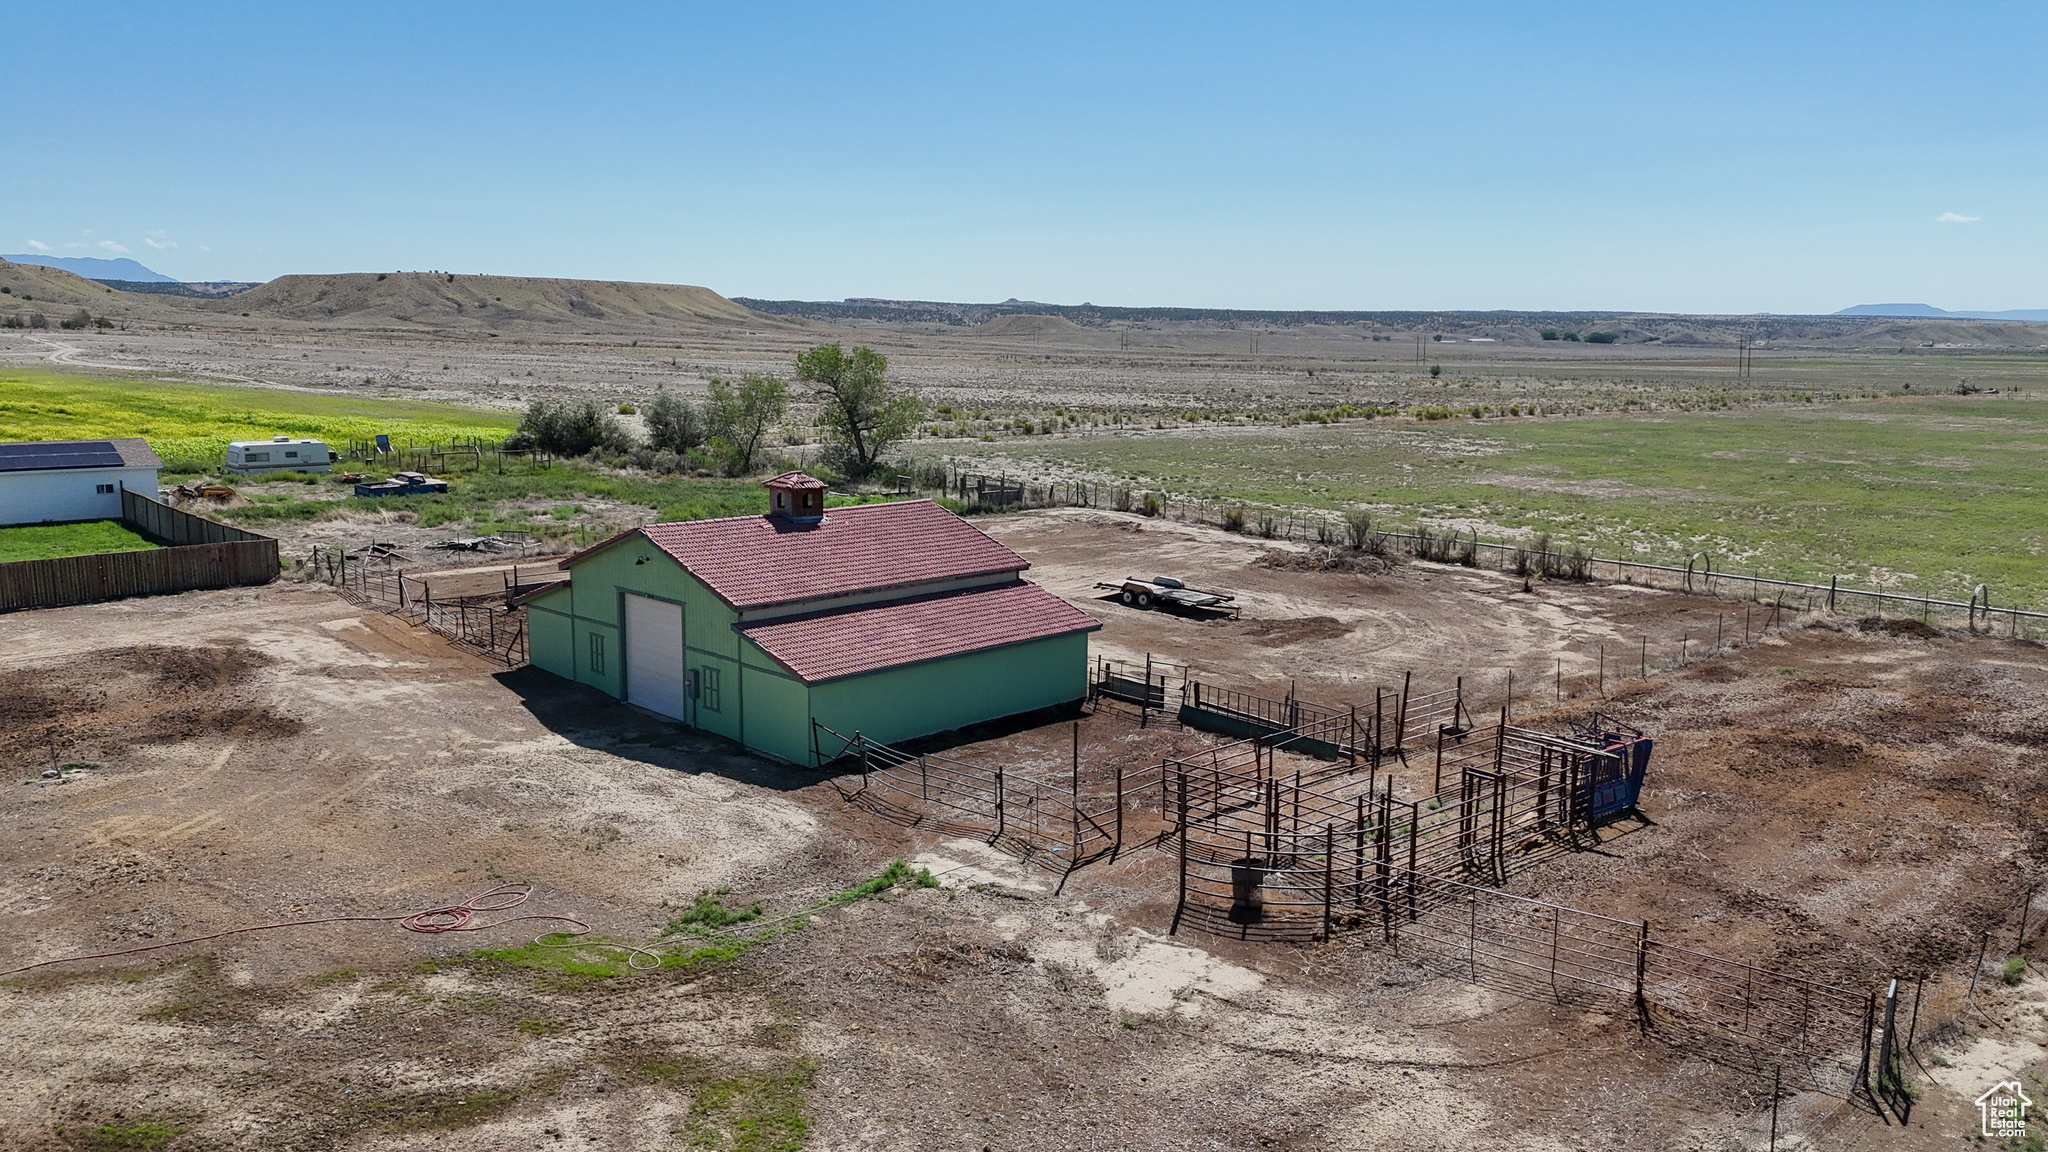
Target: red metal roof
[[793, 480], [755, 561], [831, 645]]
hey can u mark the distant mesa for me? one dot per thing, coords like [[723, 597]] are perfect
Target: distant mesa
[[1930, 312], [94, 268], [1028, 324]]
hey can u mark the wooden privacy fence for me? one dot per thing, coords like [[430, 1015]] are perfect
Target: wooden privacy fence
[[176, 527], [199, 553]]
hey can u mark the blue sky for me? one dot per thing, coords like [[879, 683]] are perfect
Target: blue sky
[[1705, 157]]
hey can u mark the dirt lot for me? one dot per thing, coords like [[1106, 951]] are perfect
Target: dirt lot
[[1846, 801]]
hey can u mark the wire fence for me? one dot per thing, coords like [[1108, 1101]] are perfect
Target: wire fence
[[489, 625], [1538, 556]]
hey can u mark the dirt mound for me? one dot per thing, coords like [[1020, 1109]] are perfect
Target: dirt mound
[[149, 694], [1296, 631], [1898, 627], [1325, 559], [1029, 324], [442, 299]]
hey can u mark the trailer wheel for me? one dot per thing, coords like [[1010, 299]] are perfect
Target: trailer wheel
[[1144, 600], [1128, 598]]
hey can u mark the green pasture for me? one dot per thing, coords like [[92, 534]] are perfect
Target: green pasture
[[189, 425], [545, 501], [49, 541], [1933, 494]]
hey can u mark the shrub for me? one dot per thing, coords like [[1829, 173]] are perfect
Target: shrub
[[78, 319], [1233, 519], [1357, 527], [1571, 336], [570, 428], [1268, 526], [674, 423], [1550, 334], [2014, 971], [1576, 564], [1602, 337], [1436, 370], [627, 410], [1152, 506]]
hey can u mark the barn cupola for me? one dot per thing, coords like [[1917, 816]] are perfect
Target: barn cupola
[[796, 498]]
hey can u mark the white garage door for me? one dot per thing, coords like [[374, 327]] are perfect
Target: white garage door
[[654, 656]]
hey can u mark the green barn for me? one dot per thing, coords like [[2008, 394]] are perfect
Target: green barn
[[899, 620]]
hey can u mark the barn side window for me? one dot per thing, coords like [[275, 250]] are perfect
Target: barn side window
[[707, 689], [104, 489], [597, 653]]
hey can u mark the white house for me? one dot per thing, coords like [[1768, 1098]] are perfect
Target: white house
[[54, 481]]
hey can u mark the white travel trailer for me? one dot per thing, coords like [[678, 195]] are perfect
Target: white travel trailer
[[279, 454]]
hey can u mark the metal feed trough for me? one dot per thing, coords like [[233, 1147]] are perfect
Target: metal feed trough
[[1167, 592]]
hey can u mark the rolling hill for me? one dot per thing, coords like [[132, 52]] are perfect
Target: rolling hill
[[446, 300]]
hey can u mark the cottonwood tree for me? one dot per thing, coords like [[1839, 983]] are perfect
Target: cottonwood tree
[[738, 417], [861, 415]]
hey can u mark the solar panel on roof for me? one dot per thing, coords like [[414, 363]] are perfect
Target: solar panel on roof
[[65, 454]]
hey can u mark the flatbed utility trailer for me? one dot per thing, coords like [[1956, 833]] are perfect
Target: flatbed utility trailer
[[1171, 594]]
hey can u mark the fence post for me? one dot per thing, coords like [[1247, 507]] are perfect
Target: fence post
[[1777, 1081], [1887, 1079], [1181, 901], [1120, 803], [864, 759], [1642, 969], [1472, 937], [999, 802], [1401, 713], [1414, 818], [1358, 854], [1329, 874], [1863, 1068], [1556, 930]]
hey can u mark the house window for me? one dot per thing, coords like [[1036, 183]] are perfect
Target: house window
[[707, 689], [597, 653], [104, 489]]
